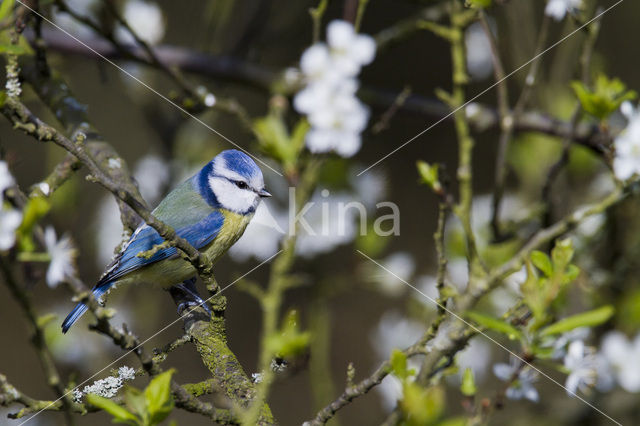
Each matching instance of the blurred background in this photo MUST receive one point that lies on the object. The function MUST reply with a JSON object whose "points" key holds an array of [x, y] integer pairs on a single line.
{"points": [[356, 313]]}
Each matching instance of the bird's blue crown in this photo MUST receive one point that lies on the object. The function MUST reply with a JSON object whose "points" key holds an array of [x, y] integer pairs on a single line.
{"points": [[232, 180]]}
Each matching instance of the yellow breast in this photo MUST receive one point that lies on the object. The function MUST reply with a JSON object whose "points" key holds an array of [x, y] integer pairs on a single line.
{"points": [[232, 229]]}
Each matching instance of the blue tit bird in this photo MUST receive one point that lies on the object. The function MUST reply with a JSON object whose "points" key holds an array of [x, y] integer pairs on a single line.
{"points": [[210, 210]]}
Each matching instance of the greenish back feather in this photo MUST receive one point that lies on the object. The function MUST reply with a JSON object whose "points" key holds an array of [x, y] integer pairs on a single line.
{"points": [[183, 206]]}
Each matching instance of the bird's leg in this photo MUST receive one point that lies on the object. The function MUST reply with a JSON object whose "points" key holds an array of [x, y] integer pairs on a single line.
{"points": [[186, 294]]}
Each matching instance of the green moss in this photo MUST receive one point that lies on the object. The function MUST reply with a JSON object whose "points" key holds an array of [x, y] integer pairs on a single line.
{"points": [[228, 375]]}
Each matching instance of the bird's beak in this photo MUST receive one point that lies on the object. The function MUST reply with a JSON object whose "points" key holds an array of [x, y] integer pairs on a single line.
{"points": [[264, 193]]}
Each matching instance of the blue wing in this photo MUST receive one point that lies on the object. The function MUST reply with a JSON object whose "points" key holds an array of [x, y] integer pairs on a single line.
{"points": [[145, 238], [191, 217]]}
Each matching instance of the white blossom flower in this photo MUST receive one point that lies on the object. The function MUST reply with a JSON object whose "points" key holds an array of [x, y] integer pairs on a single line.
{"points": [[626, 161], [10, 220], [146, 20], [522, 387], [316, 66], [6, 178], [402, 266], [622, 355], [62, 253], [336, 115], [559, 344], [257, 377], [209, 100], [478, 51], [581, 362], [557, 9], [349, 51]]}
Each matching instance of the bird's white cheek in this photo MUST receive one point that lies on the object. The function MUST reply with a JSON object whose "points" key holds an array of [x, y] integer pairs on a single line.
{"points": [[233, 198]]}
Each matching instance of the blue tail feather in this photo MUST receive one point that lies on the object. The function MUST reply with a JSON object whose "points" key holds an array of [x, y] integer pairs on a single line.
{"points": [[81, 308]]}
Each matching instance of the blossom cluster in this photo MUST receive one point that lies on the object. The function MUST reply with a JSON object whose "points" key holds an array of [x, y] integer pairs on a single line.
{"points": [[329, 101], [586, 368]]}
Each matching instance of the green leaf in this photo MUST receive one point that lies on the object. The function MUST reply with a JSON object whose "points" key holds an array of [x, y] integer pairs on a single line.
{"points": [[135, 402], [5, 8], [298, 135], [586, 319], [495, 325], [532, 292], [570, 274], [542, 352], [13, 49], [479, 4], [274, 138], [289, 342], [468, 386], [421, 406], [35, 210], [429, 175], [399, 364], [120, 415], [158, 397], [21, 48], [542, 262], [605, 98], [455, 421], [43, 320], [562, 254]]}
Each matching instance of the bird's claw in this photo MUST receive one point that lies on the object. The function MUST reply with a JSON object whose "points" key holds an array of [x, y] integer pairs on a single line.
{"points": [[186, 296], [183, 306]]}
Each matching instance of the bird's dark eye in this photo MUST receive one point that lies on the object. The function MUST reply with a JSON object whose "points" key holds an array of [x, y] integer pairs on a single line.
{"points": [[240, 184]]}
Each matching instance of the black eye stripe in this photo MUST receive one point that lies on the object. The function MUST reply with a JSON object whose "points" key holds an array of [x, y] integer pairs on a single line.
{"points": [[240, 184]]}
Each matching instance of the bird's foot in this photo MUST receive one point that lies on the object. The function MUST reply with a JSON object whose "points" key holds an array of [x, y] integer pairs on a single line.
{"points": [[183, 306], [186, 296]]}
